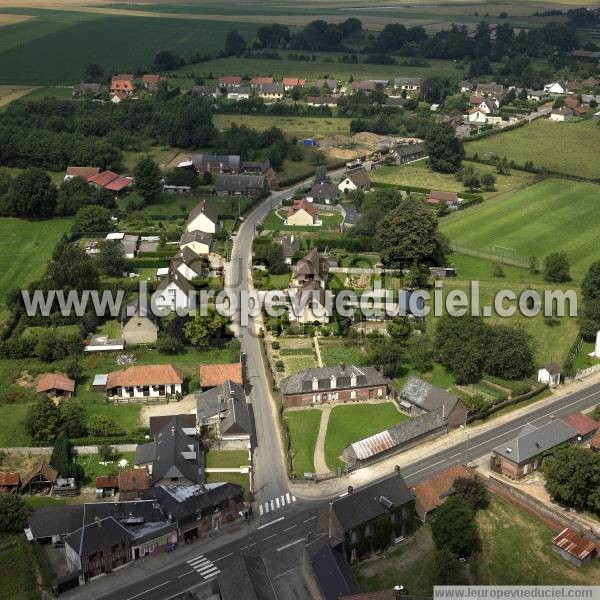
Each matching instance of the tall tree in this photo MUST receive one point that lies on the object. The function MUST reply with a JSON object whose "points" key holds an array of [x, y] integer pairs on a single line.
{"points": [[445, 150], [235, 44], [454, 527], [409, 236], [32, 194], [148, 179], [94, 73]]}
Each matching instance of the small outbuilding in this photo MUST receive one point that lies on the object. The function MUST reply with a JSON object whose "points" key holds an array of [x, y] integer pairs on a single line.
{"points": [[549, 374], [574, 547], [56, 385]]}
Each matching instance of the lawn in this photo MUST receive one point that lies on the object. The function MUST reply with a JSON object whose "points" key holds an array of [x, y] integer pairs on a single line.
{"points": [[237, 478], [516, 550], [303, 427], [226, 458], [12, 432], [418, 174], [300, 127], [569, 148], [25, 248], [92, 467], [128, 43], [18, 568], [352, 422], [295, 364], [330, 222]]}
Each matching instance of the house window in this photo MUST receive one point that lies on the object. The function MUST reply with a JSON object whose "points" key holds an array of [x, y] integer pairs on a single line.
{"points": [[368, 530], [380, 392], [146, 390], [353, 394]]}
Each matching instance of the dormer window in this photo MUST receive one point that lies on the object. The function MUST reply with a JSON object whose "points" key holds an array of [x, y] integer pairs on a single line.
{"points": [[353, 379], [315, 383], [332, 382]]}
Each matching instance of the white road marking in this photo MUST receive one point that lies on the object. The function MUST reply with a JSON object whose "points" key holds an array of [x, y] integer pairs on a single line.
{"points": [[290, 544], [268, 537], [184, 574], [150, 590], [261, 510], [271, 523], [292, 527], [222, 557]]}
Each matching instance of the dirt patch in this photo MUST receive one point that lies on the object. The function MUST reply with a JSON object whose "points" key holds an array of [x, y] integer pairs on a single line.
{"points": [[12, 19], [347, 147], [183, 407], [25, 380], [19, 462]]}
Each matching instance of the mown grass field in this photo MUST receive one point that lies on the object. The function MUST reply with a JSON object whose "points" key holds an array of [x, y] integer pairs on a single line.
{"points": [[25, 248], [303, 426], [47, 51], [516, 550], [569, 148], [549, 216], [300, 127], [418, 174], [352, 422], [92, 467]]}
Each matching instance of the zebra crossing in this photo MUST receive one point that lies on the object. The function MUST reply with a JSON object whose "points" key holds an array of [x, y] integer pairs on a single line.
{"points": [[203, 566], [272, 505]]}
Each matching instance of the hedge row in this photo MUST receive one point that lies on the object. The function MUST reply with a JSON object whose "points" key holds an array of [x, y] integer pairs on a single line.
{"points": [[151, 263], [496, 407]]}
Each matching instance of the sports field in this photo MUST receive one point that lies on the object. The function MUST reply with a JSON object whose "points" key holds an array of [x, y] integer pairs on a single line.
{"points": [[538, 220], [25, 248], [569, 148]]}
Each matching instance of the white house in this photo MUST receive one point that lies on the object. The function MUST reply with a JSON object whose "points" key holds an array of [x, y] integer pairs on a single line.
{"points": [[203, 217], [359, 180], [562, 114], [143, 382], [188, 264], [556, 87], [241, 93], [550, 375], [197, 241], [478, 116], [173, 293]]}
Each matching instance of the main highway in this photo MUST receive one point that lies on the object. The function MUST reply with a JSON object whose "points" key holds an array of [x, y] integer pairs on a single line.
{"points": [[189, 567]]}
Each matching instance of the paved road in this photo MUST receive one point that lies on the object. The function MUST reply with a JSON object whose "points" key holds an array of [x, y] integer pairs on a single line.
{"points": [[270, 475], [289, 526]]}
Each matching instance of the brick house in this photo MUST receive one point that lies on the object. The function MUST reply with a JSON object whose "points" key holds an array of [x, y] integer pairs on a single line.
{"points": [[369, 519], [523, 454], [122, 83], [342, 383], [585, 427]]}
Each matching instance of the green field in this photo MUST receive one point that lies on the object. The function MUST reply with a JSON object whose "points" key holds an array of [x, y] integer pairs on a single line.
{"points": [[353, 422], [300, 127], [569, 148], [303, 426], [92, 467], [18, 568], [226, 458], [516, 550], [48, 50], [549, 216], [338, 351], [418, 174], [25, 248]]}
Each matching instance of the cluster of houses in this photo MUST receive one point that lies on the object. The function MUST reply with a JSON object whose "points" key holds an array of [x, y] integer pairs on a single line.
{"points": [[122, 86], [165, 499]]}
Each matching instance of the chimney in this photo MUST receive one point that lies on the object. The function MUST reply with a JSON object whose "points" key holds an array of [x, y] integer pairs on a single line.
{"points": [[350, 489], [342, 366], [397, 469]]}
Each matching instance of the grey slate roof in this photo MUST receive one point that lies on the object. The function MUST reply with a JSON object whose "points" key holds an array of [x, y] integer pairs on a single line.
{"points": [[195, 236], [303, 381], [177, 452], [134, 309], [289, 242], [325, 191], [408, 81], [409, 149], [228, 400], [203, 162], [364, 505], [175, 277], [351, 217], [98, 535], [204, 208], [333, 574], [227, 182], [532, 441], [272, 88], [427, 396], [247, 573]]}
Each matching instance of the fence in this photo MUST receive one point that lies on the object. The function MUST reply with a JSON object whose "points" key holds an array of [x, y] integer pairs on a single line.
{"points": [[499, 255], [583, 374]]}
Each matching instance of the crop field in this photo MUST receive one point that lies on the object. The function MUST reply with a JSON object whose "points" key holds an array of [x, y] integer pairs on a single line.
{"points": [[25, 248], [294, 126], [52, 52], [419, 174], [352, 422], [538, 220], [568, 148]]}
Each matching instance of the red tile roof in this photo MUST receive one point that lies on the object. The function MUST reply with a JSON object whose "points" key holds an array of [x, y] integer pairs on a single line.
{"points": [[302, 204], [9, 479], [476, 99], [433, 493], [261, 80], [364, 85], [144, 375], [436, 196], [582, 423], [107, 481], [152, 78], [573, 543], [110, 180], [230, 80], [293, 81], [122, 82], [54, 381], [84, 172], [134, 480], [214, 375]]}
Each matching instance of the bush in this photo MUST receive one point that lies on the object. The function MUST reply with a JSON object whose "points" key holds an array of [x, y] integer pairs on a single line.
{"points": [[13, 513], [275, 345], [103, 426], [169, 345]]}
